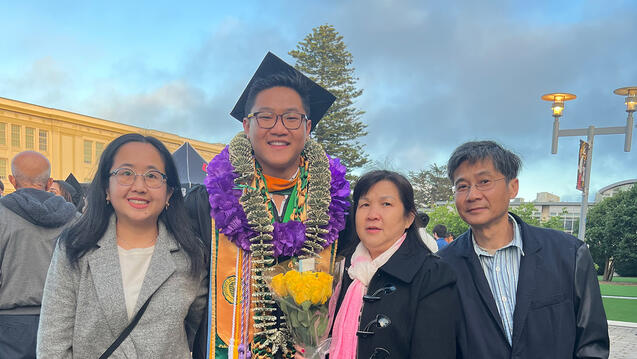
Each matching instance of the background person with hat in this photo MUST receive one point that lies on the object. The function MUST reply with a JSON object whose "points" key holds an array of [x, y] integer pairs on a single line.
{"points": [[274, 194]]}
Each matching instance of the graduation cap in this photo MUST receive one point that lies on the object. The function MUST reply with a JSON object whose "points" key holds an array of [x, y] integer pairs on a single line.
{"points": [[78, 196], [191, 167], [320, 98]]}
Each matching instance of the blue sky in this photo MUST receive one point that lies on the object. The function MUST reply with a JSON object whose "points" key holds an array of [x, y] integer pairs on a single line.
{"points": [[434, 74]]}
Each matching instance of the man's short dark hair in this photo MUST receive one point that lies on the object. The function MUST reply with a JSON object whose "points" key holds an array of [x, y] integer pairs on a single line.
{"points": [[505, 161], [293, 81], [440, 230]]}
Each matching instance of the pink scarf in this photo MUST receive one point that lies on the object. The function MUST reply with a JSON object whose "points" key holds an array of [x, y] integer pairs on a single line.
{"points": [[361, 270]]}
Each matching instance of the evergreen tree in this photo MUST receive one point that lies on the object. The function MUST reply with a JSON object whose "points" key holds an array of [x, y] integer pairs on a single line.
{"points": [[324, 58], [431, 186]]}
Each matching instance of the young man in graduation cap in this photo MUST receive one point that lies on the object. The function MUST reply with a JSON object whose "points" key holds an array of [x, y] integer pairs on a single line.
{"points": [[275, 195]]}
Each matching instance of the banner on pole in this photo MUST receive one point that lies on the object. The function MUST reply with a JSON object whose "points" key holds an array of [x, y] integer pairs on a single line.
{"points": [[581, 165]]}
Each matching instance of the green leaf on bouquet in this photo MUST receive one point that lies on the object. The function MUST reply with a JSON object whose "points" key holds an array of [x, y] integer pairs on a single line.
{"points": [[304, 318], [283, 306], [306, 305], [293, 317], [322, 325]]}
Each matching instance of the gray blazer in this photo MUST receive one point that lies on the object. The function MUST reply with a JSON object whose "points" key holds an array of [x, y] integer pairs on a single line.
{"points": [[83, 307]]}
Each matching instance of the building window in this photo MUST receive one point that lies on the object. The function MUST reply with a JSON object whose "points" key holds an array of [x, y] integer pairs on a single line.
{"points": [[3, 168], [15, 135], [44, 135], [3, 133], [88, 151], [29, 140], [99, 148]]}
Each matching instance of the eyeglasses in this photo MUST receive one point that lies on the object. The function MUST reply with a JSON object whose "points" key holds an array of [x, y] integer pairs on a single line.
{"points": [[482, 185], [126, 177], [266, 119]]}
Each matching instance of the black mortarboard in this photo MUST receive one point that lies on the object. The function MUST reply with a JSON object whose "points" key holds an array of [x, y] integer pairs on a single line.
{"points": [[320, 98], [79, 192]]}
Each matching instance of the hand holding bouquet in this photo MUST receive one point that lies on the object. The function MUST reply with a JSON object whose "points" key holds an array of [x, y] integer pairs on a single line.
{"points": [[304, 297]]}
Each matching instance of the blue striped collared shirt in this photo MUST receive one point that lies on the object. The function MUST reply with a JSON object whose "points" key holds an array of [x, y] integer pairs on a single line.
{"points": [[502, 269]]}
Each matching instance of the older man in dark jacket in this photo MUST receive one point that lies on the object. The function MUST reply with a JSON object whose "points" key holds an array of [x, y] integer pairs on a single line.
{"points": [[526, 292], [30, 221]]}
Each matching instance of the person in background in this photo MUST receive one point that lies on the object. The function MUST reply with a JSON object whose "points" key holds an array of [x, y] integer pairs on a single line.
{"points": [[130, 259], [79, 198], [31, 219], [440, 232], [1, 188], [526, 292], [398, 299], [449, 237], [62, 189], [427, 239]]}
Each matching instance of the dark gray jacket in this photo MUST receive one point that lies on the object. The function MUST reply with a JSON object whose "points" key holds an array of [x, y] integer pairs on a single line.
{"points": [[30, 222], [558, 313]]}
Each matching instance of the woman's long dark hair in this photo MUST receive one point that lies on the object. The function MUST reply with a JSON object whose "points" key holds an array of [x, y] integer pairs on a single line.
{"points": [[83, 235], [406, 192]]}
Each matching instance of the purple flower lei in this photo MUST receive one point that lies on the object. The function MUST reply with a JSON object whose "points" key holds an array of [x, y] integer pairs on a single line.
{"points": [[288, 238]]}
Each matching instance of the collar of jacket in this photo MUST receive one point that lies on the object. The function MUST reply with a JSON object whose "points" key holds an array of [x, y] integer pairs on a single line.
{"points": [[407, 260], [529, 244], [164, 239]]}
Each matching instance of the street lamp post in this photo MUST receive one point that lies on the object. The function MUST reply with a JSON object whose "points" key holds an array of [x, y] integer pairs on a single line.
{"points": [[558, 100]]}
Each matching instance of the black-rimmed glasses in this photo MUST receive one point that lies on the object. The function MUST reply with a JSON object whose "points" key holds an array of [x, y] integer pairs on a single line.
{"points": [[267, 120], [126, 177]]}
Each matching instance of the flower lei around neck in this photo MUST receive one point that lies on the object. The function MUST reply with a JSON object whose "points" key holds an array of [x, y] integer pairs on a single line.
{"points": [[241, 213]]}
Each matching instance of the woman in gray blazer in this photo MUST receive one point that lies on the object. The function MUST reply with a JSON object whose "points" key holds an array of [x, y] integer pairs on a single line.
{"points": [[132, 245]]}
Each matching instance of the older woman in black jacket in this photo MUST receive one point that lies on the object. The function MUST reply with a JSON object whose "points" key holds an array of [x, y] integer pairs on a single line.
{"points": [[397, 298]]}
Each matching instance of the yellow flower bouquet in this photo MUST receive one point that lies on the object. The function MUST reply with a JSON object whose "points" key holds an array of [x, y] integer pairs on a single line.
{"points": [[304, 294]]}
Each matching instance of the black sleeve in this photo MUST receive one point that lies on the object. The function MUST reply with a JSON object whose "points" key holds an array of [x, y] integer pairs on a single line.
{"points": [[199, 347], [591, 339], [436, 326]]}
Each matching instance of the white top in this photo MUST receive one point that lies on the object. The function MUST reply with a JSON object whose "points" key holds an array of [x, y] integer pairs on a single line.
{"points": [[134, 264], [429, 241]]}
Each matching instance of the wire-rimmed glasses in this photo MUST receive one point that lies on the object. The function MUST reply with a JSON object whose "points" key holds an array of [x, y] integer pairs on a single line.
{"points": [[482, 185], [126, 177]]}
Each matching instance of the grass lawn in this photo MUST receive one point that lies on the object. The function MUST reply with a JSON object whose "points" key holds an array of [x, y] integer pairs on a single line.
{"points": [[624, 310], [625, 279], [618, 289], [621, 279]]}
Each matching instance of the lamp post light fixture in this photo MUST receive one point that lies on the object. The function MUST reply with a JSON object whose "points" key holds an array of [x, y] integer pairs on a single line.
{"points": [[557, 107]]}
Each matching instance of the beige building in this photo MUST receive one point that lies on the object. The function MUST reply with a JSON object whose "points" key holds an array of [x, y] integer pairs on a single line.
{"points": [[72, 142], [610, 190], [548, 205]]}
